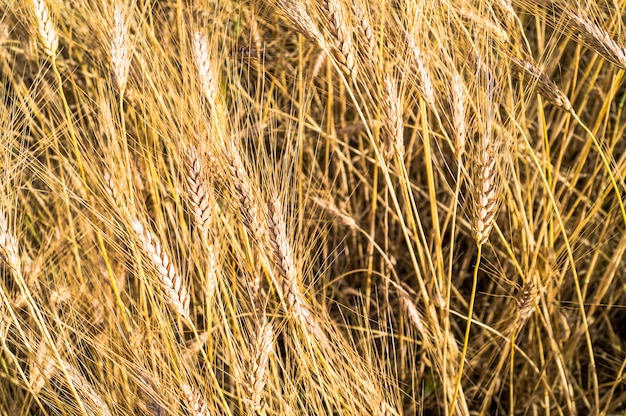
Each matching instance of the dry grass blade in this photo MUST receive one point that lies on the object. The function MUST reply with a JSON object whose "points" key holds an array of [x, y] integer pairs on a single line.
{"points": [[170, 281]]}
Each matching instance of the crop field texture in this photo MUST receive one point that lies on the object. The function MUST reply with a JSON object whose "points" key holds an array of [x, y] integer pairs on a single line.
{"points": [[312, 207]]}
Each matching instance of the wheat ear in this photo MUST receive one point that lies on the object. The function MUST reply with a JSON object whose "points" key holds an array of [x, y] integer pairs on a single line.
{"points": [[204, 67], [485, 188], [196, 404], [200, 199], [333, 210], [45, 28], [120, 49], [425, 83], [545, 86], [392, 115], [248, 205], [599, 40], [255, 378], [341, 34], [366, 31], [459, 117], [525, 300], [171, 283], [286, 270], [9, 252]]}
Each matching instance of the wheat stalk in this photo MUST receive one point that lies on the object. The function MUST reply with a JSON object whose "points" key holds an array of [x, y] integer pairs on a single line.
{"points": [[286, 270], [45, 28], [171, 283], [120, 49]]}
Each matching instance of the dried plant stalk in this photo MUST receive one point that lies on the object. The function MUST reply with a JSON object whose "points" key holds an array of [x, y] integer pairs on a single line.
{"points": [[45, 28], [171, 283]]}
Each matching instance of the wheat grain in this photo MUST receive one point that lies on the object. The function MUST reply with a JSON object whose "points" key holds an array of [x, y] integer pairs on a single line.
{"points": [[120, 49], [171, 283], [45, 27]]}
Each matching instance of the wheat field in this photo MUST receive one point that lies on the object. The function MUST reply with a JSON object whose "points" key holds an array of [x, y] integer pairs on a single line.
{"points": [[312, 207]]}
